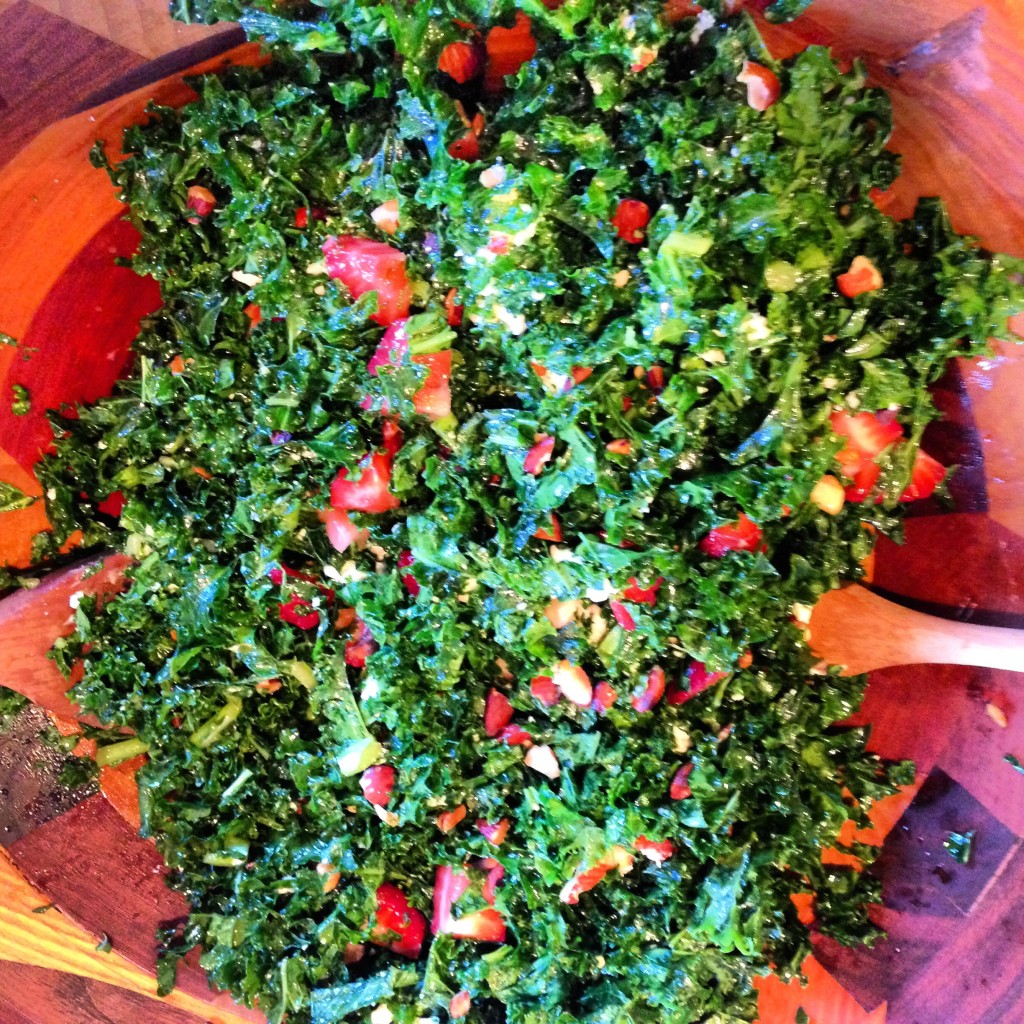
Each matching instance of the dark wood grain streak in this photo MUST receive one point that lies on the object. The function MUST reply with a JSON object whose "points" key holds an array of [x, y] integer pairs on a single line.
{"points": [[35, 995], [93, 866], [46, 65], [31, 791]]}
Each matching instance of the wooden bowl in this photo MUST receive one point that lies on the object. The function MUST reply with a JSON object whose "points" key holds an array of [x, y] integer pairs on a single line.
{"points": [[955, 70]]}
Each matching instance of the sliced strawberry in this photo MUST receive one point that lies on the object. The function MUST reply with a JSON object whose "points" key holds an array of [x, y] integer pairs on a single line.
{"points": [[630, 219], [698, 679], [620, 446], [927, 474], [604, 698], [864, 480], [201, 201], [656, 379], [405, 560], [434, 399], [391, 434], [494, 831], [462, 61], [113, 504], [508, 49], [363, 265], [543, 688], [621, 615], [867, 434], [449, 886], [680, 788], [399, 927], [392, 348], [495, 874], [743, 535], [361, 646], [659, 852], [370, 492], [539, 454], [762, 84], [385, 216], [554, 534], [497, 712], [452, 310], [485, 925], [617, 857], [653, 691], [459, 1004], [642, 595], [305, 214], [481, 925], [377, 782], [466, 147], [573, 683], [341, 531], [447, 820], [293, 613], [863, 276], [515, 736]]}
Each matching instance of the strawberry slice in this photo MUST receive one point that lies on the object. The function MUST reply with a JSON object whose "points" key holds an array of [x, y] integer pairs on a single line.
{"points": [[361, 646], [363, 265], [508, 49], [201, 201], [465, 147], [370, 492], [863, 276], [621, 615], [341, 531], [554, 534], [434, 399], [484, 925], [539, 454], [377, 782], [864, 481], [573, 683], [543, 688], [292, 612], [113, 505], [630, 219], [494, 831], [515, 736], [396, 918], [495, 874], [604, 698], [658, 852], [617, 857], [447, 820], [698, 679], [762, 84], [926, 475], [462, 62], [867, 434], [680, 787], [743, 535], [497, 712], [642, 595], [653, 691]]}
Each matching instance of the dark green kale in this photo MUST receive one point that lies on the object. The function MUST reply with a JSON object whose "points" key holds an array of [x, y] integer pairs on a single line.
{"points": [[678, 380]]}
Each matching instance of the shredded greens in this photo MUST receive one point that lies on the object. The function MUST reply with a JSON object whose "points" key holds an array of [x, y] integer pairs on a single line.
{"points": [[719, 349]]}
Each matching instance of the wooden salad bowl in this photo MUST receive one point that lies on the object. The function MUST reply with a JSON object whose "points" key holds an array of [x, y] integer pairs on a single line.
{"points": [[955, 70]]}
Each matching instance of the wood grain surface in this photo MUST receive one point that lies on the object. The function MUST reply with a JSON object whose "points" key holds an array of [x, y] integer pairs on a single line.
{"points": [[953, 954]]}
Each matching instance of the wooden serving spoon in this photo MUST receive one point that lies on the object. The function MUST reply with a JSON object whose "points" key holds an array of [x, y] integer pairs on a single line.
{"points": [[851, 627], [860, 631]]}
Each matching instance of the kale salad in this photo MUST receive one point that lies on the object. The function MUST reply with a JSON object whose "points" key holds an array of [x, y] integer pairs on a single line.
{"points": [[526, 371]]}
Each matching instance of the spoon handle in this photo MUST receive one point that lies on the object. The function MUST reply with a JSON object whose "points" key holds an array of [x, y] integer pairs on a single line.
{"points": [[861, 631]]}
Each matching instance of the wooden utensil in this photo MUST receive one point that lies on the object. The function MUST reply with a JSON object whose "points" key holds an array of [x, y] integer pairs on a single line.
{"points": [[861, 631]]}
